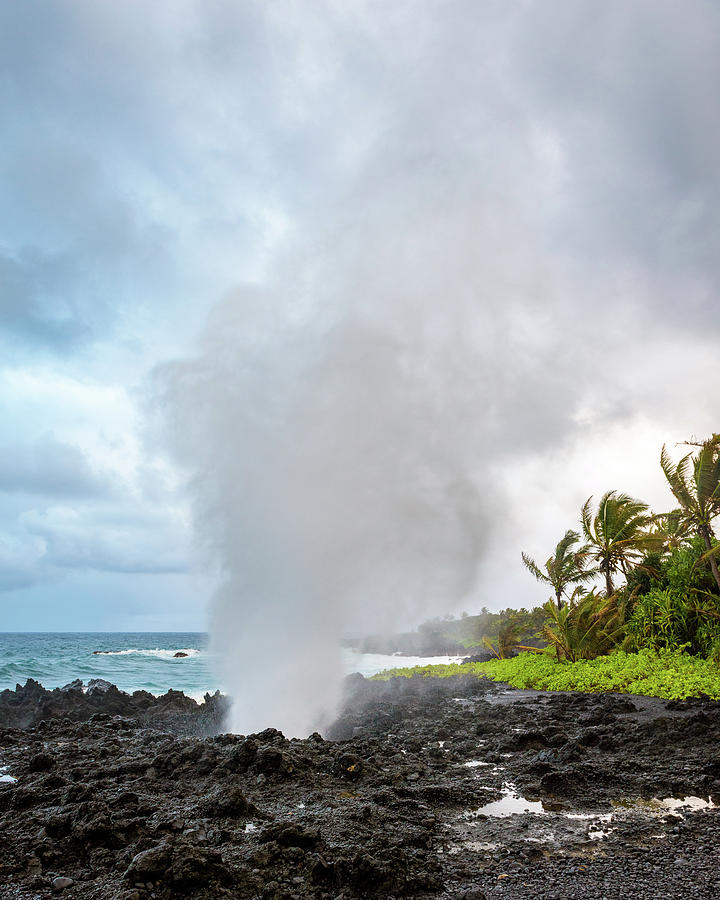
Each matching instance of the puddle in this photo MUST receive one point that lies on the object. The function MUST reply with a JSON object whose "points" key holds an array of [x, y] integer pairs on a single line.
{"points": [[474, 763], [250, 827], [5, 778], [514, 804], [510, 804], [580, 831], [598, 817], [691, 804], [599, 834], [676, 806]]}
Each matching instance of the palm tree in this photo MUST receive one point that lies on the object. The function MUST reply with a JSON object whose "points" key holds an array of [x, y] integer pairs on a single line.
{"points": [[507, 640], [564, 569], [616, 534], [589, 626], [699, 495], [673, 530]]}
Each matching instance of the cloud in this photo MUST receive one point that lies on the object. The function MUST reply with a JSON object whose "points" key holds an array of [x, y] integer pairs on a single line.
{"points": [[50, 467], [24, 281], [20, 561], [44, 545], [456, 242], [107, 540]]}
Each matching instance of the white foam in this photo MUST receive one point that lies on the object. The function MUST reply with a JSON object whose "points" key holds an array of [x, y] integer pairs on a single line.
{"points": [[188, 651]]}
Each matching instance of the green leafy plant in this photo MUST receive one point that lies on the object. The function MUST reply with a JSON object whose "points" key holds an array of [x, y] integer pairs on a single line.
{"points": [[662, 619], [695, 483], [566, 568], [674, 675]]}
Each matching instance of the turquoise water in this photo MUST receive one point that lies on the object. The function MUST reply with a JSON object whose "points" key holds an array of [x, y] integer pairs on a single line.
{"points": [[133, 661], [139, 660]]}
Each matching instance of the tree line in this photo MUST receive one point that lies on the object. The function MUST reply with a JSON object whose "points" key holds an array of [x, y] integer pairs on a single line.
{"points": [[630, 578]]}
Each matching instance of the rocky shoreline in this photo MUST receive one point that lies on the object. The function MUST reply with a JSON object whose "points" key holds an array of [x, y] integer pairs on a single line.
{"points": [[447, 788]]}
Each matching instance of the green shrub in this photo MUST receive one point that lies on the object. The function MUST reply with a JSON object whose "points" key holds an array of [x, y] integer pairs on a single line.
{"points": [[662, 620], [673, 675]]}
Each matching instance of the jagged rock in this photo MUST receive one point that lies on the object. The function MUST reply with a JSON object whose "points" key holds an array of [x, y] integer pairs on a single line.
{"points": [[98, 684]]}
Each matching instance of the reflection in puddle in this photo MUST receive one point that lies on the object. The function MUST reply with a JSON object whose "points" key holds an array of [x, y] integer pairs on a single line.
{"points": [[510, 804], [474, 763], [562, 829], [5, 778], [674, 805], [598, 817]]}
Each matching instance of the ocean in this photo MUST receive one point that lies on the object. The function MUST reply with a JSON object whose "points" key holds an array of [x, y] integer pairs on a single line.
{"points": [[139, 660]]}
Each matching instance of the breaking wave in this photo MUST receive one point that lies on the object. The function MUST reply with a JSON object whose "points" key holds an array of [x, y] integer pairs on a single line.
{"points": [[188, 651]]}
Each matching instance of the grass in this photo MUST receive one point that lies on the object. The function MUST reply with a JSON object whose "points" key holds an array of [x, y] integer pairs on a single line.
{"points": [[666, 674]]}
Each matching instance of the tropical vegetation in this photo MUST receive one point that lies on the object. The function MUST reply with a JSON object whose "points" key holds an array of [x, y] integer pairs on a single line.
{"points": [[652, 623]]}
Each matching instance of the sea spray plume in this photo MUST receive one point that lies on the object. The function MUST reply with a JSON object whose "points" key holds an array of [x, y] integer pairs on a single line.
{"points": [[349, 425], [333, 481]]}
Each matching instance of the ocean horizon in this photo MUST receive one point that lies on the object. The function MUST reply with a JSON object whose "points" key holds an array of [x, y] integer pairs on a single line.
{"points": [[140, 660]]}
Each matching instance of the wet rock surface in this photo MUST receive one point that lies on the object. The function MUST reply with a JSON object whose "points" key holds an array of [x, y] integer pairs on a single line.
{"points": [[31, 704], [452, 788]]}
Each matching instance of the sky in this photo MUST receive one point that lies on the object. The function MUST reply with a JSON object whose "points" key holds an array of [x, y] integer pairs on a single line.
{"points": [[371, 295]]}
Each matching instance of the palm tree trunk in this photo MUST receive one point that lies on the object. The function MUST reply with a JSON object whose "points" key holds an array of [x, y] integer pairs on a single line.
{"points": [[705, 534], [609, 588], [558, 597]]}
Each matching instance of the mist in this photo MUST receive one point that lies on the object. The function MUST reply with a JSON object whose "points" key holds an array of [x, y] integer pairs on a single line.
{"points": [[473, 273], [337, 485]]}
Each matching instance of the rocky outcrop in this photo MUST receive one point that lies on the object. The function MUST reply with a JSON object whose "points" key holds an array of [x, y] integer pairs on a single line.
{"points": [[30, 704], [410, 800]]}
